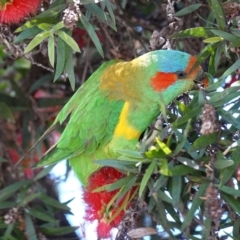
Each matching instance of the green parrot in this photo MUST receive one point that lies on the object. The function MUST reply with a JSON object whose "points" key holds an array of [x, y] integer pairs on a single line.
{"points": [[116, 105]]}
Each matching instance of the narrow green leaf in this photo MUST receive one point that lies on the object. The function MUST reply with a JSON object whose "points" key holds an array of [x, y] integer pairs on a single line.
{"points": [[89, 28], [228, 172], [197, 201], [28, 199], [188, 162], [213, 40], [132, 154], [194, 32], [68, 40], [45, 171], [163, 147], [103, 4], [175, 191], [101, 15], [227, 36], [188, 9], [133, 160], [182, 142], [69, 68], [162, 216], [236, 227], [29, 227], [37, 40], [146, 177], [205, 53], [34, 22], [125, 189], [218, 56], [58, 26], [204, 141], [45, 26], [164, 169], [45, 216], [211, 64], [229, 117], [122, 165], [127, 199], [181, 170], [122, 182], [183, 109], [110, 10], [57, 230], [28, 33], [191, 114], [53, 202], [207, 228], [155, 153], [163, 196], [113, 186], [221, 164], [230, 191], [219, 13], [234, 44], [232, 69], [162, 106], [61, 58], [9, 229], [232, 202], [161, 181], [51, 50], [6, 192], [122, 206], [217, 96], [53, 11], [8, 204]]}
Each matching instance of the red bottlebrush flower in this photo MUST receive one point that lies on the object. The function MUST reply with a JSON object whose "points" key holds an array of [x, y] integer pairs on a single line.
{"points": [[81, 37], [98, 201], [14, 11]]}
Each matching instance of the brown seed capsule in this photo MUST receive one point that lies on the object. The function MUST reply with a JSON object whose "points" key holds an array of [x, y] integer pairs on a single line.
{"points": [[71, 15], [231, 9], [213, 204], [209, 121]]}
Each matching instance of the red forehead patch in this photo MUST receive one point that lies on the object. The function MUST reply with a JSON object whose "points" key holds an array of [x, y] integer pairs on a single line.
{"points": [[162, 80], [191, 62]]}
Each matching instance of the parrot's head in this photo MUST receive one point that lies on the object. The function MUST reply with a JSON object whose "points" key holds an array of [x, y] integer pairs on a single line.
{"points": [[171, 73], [142, 80]]}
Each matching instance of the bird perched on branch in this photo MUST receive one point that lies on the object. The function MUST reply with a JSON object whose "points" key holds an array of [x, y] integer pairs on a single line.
{"points": [[116, 105]]}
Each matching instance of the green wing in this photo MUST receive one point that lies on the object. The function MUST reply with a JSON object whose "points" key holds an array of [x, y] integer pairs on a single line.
{"points": [[93, 118]]}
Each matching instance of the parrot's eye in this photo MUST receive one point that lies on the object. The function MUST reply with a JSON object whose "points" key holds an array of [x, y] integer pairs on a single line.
{"points": [[181, 74]]}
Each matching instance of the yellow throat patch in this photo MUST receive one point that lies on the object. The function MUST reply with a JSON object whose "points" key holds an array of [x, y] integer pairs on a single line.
{"points": [[123, 128]]}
